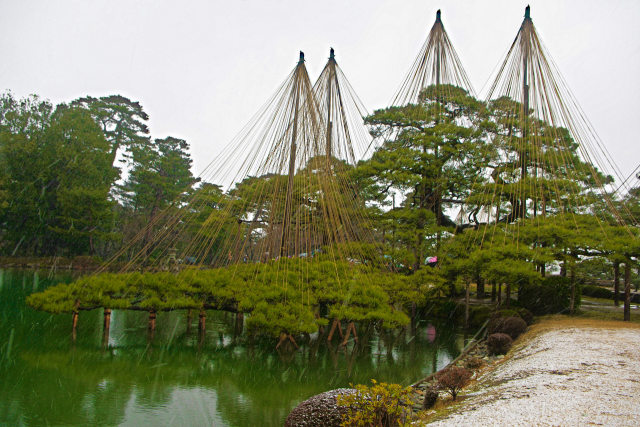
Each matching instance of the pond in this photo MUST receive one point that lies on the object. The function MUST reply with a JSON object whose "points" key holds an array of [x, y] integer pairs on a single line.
{"points": [[178, 377]]}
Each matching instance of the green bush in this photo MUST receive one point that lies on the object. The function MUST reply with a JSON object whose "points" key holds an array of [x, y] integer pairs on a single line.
{"points": [[552, 295], [597, 292], [478, 315], [381, 404], [447, 309]]}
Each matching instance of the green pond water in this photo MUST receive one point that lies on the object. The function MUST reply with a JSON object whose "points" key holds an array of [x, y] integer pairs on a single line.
{"points": [[177, 377]]}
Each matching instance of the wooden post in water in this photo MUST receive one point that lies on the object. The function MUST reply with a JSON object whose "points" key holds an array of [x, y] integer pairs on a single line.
{"points": [[284, 337], [74, 320], [202, 320], [106, 325], [189, 317], [336, 324], [239, 324], [107, 320], [152, 323], [350, 328]]}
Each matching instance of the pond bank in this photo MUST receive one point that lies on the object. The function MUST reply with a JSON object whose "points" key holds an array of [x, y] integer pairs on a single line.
{"points": [[563, 371]]}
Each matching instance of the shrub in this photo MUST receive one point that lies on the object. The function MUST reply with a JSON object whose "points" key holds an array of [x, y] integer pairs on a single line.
{"points": [[447, 309], [525, 314], [499, 343], [474, 363], [495, 325], [550, 296], [478, 315], [512, 326], [453, 379], [506, 312], [597, 292], [430, 398], [381, 404]]}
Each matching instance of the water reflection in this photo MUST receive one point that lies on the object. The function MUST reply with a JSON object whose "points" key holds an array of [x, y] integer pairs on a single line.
{"points": [[180, 376]]}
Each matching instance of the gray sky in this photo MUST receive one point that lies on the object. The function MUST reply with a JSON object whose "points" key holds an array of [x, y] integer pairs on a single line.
{"points": [[201, 69]]}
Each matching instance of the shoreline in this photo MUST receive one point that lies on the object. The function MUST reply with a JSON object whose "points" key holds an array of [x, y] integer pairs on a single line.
{"points": [[561, 371]]}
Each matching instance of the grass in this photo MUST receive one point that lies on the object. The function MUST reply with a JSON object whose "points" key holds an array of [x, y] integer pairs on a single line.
{"points": [[603, 309]]}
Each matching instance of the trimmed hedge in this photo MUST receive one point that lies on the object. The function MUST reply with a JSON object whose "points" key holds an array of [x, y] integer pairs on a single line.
{"points": [[597, 292], [512, 326], [499, 343]]}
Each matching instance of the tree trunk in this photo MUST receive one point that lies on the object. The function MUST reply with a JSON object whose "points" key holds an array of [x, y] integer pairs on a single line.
{"points": [[499, 294], [508, 296], [616, 284], [493, 291], [572, 302], [627, 291], [480, 287], [466, 306], [239, 324]]}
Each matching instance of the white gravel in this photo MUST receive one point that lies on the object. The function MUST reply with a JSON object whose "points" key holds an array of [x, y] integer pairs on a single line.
{"points": [[571, 377]]}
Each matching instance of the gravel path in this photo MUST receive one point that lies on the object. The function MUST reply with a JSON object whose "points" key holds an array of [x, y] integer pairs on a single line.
{"points": [[569, 377]]}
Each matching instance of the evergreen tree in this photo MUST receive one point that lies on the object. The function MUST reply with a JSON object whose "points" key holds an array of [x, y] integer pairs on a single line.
{"points": [[160, 177], [55, 176], [432, 154]]}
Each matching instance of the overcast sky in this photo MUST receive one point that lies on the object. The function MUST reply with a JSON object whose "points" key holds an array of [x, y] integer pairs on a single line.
{"points": [[201, 69]]}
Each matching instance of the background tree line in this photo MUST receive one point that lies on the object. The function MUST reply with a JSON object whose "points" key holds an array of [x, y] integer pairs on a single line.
{"points": [[63, 186], [84, 178]]}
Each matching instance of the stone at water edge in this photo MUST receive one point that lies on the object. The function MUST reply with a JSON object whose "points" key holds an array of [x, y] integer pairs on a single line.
{"points": [[320, 410]]}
